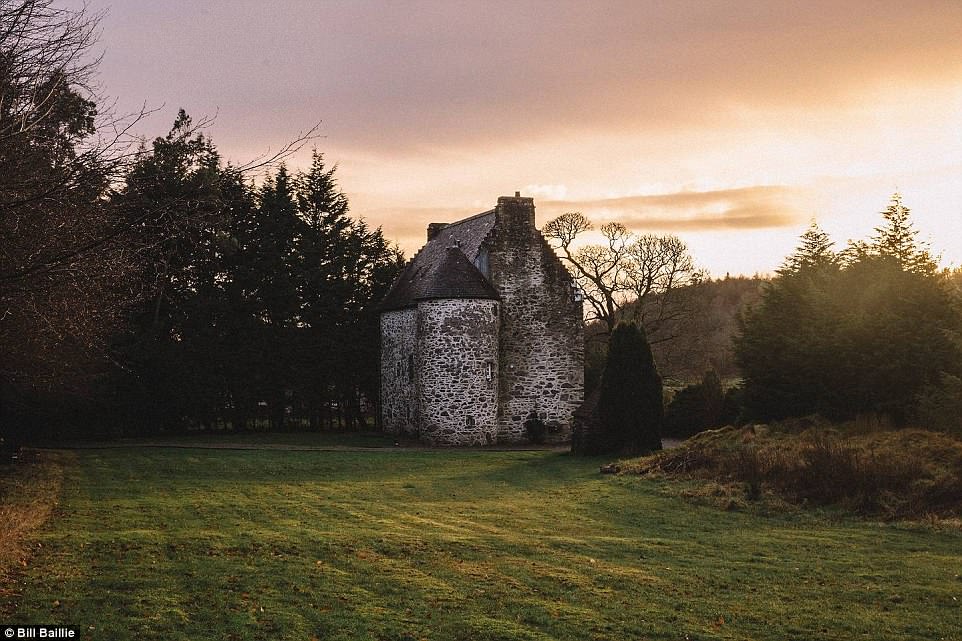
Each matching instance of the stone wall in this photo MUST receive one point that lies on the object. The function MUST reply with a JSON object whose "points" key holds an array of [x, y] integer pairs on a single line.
{"points": [[399, 407], [542, 335], [458, 371]]}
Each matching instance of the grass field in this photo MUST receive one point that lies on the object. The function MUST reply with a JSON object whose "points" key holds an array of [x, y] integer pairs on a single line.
{"points": [[394, 544]]}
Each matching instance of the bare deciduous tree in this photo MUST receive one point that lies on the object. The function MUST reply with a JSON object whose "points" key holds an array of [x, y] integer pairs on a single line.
{"points": [[60, 278], [640, 278]]}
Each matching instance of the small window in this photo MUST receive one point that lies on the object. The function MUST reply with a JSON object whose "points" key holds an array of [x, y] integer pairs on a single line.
{"points": [[482, 263], [488, 370], [410, 368]]}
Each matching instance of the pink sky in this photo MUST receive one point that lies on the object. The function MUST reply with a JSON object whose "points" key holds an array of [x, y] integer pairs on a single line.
{"points": [[730, 124]]}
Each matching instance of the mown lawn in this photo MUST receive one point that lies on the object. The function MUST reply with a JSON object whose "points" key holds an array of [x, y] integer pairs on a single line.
{"points": [[394, 544]]}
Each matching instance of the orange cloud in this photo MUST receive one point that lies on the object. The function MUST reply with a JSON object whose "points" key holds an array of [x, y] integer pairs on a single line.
{"points": [[758, 207]]}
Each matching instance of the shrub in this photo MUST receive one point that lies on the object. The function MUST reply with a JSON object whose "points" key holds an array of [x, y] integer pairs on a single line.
{"points": [[940, 406], [699, 407], [685, 415], [535, 428], [829, 471]]}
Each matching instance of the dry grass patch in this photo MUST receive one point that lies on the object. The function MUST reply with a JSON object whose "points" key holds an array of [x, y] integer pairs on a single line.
{"points": [[29, 492], [894, 474]]}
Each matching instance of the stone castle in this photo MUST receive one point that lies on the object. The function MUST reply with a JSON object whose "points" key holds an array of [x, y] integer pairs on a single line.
{"points": [[482, 339]]}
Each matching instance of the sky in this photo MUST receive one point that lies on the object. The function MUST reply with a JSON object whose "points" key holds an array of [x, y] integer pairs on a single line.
{"points": [[730, 124]]}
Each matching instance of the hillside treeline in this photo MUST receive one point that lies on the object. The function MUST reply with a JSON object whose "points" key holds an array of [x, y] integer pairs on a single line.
{"points": [[693, 342], [702, 340]]}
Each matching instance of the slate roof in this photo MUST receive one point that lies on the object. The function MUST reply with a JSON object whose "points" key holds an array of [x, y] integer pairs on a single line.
{"points": [[444, 267], [457, 277]]}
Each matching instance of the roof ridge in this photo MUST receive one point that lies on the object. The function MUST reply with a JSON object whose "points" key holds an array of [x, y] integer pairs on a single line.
{"points": [[469, 218]]}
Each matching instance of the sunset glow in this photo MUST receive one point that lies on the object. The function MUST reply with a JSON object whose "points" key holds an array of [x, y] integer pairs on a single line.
{"points": [[731, 125]]}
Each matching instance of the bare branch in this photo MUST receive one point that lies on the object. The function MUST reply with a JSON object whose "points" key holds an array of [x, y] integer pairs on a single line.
{"points": [[269, 160], [627, 277]]}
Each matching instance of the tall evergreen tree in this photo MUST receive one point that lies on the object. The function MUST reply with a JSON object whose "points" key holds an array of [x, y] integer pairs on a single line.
{"points": [[784, 340], [253, 298], [274, 262], [173, 202], [345, 269], [239, 345], [814, 252], [892, 336], [630, 407], [898, 240], [325, 258]]}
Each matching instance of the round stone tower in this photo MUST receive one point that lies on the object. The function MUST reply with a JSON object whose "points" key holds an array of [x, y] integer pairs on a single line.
{"points": [[457, 329]]}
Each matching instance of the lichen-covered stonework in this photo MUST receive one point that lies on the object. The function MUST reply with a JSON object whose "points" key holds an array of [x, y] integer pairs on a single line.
{"points": [[458, 374], [542, 340], [490, 323], [399, 402]]}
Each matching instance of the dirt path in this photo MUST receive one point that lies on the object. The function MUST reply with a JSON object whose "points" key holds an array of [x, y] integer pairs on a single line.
{"points": [[306, 448], [401, 446]]}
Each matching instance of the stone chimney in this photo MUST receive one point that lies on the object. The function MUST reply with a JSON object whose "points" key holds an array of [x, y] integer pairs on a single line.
{"points": [[515, 214], [434, 229]]}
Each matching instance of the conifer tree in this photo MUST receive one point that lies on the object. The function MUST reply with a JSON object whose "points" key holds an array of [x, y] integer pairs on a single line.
{"points": [[172, 201], [630, 407], [899, 240], [253, 296], [813, 252]]}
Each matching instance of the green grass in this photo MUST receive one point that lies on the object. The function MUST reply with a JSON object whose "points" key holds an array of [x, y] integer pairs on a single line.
{"points": [[220, 544]]}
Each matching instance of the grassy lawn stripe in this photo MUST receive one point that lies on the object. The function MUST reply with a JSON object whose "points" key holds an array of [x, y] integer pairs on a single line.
{"points": [[162, 544]]}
